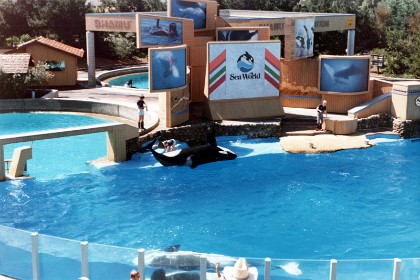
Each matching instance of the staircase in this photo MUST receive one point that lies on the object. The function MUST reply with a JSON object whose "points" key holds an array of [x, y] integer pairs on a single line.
{"points": [[196, 112], [300, 125]]}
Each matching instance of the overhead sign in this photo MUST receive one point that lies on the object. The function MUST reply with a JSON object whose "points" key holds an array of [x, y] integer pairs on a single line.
{"points": [[117, 22]]}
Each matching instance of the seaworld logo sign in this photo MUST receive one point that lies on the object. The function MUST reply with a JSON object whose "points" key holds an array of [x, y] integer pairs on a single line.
{"points": [[243, 70], [245, 64]]}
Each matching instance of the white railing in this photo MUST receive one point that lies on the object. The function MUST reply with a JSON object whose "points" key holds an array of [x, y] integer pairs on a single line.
{"points": [[50, 257]]}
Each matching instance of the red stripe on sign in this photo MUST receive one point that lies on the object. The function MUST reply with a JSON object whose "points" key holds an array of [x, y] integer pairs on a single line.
{"points": [[217, 61], [272, 59], [217, 84], [271, 81]]}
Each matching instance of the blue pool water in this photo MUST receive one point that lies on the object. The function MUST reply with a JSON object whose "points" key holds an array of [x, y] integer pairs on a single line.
{"points": [[54, 158], [350, 204], [140, 80]]}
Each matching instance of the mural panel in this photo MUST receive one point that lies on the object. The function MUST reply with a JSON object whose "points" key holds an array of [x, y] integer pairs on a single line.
{"points": [[167, 68], [159, 31], [344, 74], [305, 37], [195, 10], [237, 35]]}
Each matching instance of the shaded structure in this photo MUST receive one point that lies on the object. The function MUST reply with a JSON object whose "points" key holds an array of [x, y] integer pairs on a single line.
{"points": [[61, 59]]}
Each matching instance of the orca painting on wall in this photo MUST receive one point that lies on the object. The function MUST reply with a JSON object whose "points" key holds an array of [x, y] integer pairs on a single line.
{"points": [[344, 74], [167, 68], [192, 9], [237, 35], [160, 31]]}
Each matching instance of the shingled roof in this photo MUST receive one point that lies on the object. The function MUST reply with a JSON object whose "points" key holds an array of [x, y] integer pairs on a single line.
{"points": [[55, 45], [15, 63]]}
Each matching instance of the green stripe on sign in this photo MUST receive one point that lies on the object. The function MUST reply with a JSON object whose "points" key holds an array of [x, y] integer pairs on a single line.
{"points": [[272, 72], [218, 74]]}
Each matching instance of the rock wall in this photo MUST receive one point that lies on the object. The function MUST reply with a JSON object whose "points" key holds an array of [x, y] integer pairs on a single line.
{"points": [[407, 129], [384, 121]]}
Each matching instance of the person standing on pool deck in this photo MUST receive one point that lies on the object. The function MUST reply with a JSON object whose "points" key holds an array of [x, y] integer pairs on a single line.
{"points": [[321, 109], [141, 105]]}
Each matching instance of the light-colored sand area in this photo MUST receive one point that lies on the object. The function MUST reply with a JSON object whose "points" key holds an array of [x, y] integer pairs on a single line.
{"points": [[325, 143]]}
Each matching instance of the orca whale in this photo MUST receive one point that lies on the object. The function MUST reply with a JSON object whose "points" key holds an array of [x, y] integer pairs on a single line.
{"points": [[159, 274], [192, 156], [183, 260], [343, 75]]}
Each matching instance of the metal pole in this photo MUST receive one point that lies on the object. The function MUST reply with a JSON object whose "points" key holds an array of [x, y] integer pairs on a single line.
{"points": [[85, 260], [90, 54], [140, 263], [35, 257], [267, 273], [397, 269], [203, 267], [2, 169], [351, 34]]}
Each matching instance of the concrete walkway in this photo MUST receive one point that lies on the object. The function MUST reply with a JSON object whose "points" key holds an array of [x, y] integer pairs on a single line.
{"points": [[122, 96]]}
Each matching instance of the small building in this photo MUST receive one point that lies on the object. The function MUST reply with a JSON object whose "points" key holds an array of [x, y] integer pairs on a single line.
{"points": [[60, 58]]}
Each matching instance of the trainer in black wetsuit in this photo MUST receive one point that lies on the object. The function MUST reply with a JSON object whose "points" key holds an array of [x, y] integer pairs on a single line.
{"points": [[321, 109]]}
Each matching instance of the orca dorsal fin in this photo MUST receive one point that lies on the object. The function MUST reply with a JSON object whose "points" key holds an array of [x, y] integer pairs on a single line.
{"points": [[211, 139]]}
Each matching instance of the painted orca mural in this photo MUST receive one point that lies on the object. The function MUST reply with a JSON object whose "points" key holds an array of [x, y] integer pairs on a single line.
{"points": [[342, 74], [238, 35], [193, 156]]}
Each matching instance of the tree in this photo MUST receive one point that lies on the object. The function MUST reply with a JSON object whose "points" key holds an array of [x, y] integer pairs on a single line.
{"points": [[123, 6], [11, 85], [231, 4], [397, 52], [38, 76], [63, 20], [155, 5], [14, 85], [123, 45], [394, 14], [13, 19], [12, 41], [368, 37], [399, 22]]}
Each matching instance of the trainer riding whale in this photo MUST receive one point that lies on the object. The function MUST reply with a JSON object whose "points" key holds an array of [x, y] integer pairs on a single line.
{"points": [[193, 156]]}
